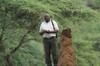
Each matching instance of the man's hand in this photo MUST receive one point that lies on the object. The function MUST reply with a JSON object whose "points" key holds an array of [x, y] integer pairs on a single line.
{"points": [[48, 31], [44, 31]]}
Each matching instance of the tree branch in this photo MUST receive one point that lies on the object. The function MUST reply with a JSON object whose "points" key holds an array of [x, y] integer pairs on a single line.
{"points": [[1, 45], [22, 41], [5, 39]]}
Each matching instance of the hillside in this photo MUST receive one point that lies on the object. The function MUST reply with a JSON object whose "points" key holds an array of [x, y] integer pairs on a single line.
{"points": [[19, 16]]}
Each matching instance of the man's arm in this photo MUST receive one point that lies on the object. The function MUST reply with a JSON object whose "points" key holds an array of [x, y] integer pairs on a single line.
{"points": [[54, 31], [44, 31]]}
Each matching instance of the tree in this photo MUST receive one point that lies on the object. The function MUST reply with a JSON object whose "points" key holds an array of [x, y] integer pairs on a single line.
{"points": [[15, 18]]}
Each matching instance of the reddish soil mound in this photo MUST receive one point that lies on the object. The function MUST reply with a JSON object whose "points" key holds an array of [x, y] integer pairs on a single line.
{"points": [[67, 55]]}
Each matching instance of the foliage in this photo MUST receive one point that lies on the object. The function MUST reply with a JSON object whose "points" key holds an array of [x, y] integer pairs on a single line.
{"points": [[19, 16], [95, 3]]}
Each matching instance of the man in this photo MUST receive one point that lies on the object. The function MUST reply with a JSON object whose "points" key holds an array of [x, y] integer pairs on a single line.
{"points": [[49, 40]]}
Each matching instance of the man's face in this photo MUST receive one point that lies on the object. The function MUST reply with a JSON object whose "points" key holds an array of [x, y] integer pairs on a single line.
{"points": [[47, 18]]}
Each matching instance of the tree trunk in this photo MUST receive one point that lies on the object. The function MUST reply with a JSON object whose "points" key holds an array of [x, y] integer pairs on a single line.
{"points": [[7, 56], [8, 59]]}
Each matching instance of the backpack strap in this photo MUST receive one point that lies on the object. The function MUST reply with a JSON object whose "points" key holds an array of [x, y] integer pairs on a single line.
{"points": [[52, 24], [53, 27]]}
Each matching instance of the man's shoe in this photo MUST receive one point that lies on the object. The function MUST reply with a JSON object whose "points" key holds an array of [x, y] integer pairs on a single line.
{"points": [[49, 65], [55, 65]]}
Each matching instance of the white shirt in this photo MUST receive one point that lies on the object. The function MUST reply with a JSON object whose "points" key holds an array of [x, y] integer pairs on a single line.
{"points": [[48, 26]]}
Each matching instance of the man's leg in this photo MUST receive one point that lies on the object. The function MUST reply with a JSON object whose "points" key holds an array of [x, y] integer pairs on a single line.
{"points": [[54, 49], [47, 47]]}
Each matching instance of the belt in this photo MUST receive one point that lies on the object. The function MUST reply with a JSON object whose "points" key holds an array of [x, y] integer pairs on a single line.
{"points": [[49, 38]]}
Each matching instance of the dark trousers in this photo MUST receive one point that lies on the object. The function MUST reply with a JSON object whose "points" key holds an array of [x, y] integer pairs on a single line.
{"points": [[51, 47]]}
